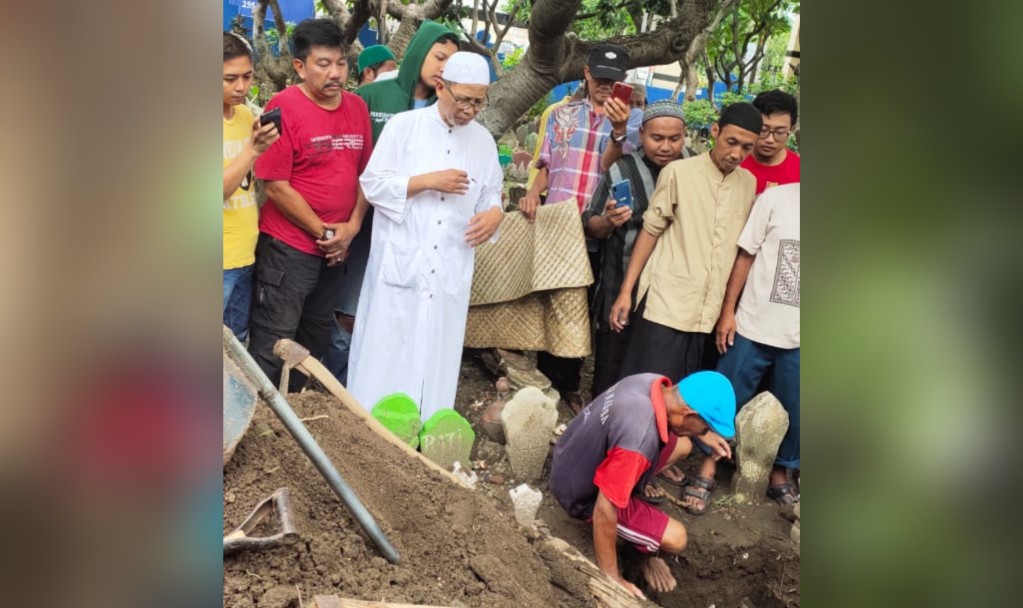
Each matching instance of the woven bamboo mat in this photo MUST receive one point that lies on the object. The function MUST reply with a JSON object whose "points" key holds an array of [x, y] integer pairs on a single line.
{"points": [[555, 321], [547, 254], [529, 288]]}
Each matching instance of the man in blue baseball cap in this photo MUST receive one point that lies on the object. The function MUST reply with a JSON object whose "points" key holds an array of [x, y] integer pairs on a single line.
{"points": [[605, 462]]}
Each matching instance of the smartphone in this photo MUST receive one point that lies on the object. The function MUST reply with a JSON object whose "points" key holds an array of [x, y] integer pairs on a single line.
{"points": [[272, 116], [622, 92], [622, 193]]}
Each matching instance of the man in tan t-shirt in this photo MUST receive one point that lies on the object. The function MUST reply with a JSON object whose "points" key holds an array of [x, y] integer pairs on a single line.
{"points": [[683, 255]]}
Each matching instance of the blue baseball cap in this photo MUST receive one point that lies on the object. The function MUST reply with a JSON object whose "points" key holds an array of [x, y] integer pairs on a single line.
{"points": [[713, 398]]}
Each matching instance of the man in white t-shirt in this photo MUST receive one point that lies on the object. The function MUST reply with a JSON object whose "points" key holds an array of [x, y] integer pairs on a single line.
{"points": [[760, 338]]}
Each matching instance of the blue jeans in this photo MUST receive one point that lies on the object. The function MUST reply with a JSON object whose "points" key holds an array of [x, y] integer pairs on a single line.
{"points": [[747, 363], [238, 300]]}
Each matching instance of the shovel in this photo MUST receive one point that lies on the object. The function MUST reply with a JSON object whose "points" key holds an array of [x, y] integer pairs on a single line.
{"points": [[308, 444]]}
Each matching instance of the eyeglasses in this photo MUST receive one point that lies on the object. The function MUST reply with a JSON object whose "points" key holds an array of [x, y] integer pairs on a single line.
{"points": [[779, 134], [466, 103]]}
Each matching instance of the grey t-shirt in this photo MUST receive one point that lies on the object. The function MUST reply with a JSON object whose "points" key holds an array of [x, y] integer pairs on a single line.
{"points": [[611, 446]]}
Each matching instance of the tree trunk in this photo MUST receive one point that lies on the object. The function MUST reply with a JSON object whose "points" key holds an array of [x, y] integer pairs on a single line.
{"points": [[275, 71], [758, 56], [555, 57], [689, 78], [709, 67]]}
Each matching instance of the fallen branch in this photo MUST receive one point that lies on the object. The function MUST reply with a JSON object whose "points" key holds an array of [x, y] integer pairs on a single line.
{"points": [[608, 593], [310, 419]]}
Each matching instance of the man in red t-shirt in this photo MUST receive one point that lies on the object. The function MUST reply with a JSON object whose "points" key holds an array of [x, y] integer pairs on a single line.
{"points": [[771, 162], [314, 204]]}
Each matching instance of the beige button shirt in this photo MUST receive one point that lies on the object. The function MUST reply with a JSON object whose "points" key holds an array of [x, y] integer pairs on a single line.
{"points": [[697, 214]]}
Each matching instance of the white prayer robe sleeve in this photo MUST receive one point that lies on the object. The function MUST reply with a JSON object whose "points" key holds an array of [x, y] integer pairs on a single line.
{"points": [[493, 188], [384, 187]]}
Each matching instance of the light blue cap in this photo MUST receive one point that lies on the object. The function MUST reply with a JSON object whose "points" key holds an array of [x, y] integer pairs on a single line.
{"points": [[713, 398]]}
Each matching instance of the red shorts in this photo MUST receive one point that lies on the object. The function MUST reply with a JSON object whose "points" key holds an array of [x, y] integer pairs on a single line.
{"points": [[641, 523]]}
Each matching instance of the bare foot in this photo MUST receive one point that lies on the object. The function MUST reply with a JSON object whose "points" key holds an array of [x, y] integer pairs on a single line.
{"points": [[653, 491], [658, 575]]}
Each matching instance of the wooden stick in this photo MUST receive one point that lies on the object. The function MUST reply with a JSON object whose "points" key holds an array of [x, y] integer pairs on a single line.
{"points": [[314, 368]]}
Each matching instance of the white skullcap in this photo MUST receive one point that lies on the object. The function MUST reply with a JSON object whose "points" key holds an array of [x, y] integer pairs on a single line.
{"points": [[467, 68]]}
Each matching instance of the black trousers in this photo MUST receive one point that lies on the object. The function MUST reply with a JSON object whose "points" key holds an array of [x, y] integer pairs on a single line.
{"points": [[659, 349], [294, 298], [608, 355]]}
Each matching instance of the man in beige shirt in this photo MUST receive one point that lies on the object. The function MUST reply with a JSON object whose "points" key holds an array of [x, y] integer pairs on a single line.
{"points": [[689, 237]]}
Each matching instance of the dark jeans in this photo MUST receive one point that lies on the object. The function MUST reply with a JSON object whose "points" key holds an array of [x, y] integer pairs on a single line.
{"points": [[747, 363], [294, 298]]}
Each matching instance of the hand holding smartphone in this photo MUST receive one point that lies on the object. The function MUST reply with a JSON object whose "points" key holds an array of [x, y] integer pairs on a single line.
{"points": [[622, 92], [272, 116], [622, 193]]}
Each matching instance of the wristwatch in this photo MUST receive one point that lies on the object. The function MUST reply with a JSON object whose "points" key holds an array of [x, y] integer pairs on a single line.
{"points": [[618, 140]]}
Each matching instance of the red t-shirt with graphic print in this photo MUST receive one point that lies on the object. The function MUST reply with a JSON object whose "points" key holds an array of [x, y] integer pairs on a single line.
{"points": [[320, 154]]}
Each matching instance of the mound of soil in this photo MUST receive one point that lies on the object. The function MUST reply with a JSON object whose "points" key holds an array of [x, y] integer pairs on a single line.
{"points": [[456, 548], [461, 547]]}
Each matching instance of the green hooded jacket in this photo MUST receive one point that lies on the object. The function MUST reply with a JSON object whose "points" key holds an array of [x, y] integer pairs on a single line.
{"points": [[390, 97]]}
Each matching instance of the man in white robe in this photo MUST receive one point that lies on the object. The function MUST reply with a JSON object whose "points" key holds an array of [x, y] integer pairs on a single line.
{"points": [[436, 184]]}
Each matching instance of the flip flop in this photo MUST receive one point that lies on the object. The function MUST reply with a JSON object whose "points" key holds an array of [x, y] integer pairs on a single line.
{"points": [[672, 482]]}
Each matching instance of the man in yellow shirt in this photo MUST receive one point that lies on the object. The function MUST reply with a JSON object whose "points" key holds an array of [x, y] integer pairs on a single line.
{"points": [[244, 141]]}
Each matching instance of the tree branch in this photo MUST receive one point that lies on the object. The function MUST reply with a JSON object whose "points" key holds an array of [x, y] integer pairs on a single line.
{"points": [[395, 8]]}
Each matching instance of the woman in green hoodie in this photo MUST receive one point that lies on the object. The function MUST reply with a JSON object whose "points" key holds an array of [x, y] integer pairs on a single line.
{"points": [[419, 73]]}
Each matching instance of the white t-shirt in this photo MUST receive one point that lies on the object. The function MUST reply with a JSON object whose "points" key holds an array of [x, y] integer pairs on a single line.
{"points": [[769, 308]]}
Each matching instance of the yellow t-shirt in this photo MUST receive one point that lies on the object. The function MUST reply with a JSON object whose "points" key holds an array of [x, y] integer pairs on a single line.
{"points": [[241, 215]]}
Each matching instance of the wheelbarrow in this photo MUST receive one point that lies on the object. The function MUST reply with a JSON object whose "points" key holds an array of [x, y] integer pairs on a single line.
{"points": [[243, 381]]}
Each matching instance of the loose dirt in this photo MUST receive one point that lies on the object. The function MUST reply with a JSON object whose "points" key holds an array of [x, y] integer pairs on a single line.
{"points": [[461, 547]]}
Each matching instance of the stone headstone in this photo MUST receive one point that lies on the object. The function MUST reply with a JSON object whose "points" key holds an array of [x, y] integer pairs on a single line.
{"points": [[531, 141], [528, 420], [759, 428], [400, 415], [446, 438], [526, 501]]}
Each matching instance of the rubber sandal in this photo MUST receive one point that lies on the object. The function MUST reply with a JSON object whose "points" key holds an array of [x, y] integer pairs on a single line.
{"points": [[702, 491], [783, 494], [671, 482]]}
